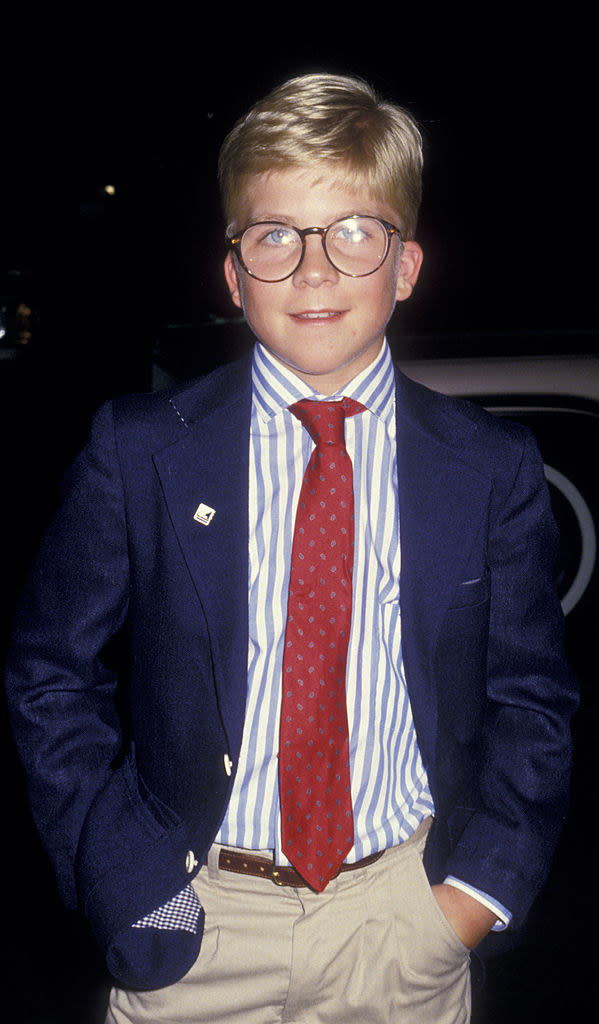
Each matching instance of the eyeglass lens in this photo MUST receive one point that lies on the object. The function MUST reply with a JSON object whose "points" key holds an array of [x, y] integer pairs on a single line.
{"points": [[355, 246]]}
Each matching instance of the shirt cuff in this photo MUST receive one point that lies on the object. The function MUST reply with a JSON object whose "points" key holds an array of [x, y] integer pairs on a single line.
{"points": [[504, 916]]}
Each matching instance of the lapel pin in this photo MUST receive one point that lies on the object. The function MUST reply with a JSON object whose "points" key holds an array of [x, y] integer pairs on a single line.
{"points": [[204, 514]]}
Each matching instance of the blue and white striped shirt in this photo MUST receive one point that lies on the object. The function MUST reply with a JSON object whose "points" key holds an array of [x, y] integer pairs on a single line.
{"points": [[390, 791]]}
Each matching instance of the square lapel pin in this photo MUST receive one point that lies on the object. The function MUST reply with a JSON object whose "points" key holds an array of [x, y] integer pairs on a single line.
{"points": [[204, 514]]}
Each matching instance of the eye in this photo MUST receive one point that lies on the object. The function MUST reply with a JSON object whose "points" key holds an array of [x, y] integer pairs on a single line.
{"points": [[352, 232], [278, 236]]}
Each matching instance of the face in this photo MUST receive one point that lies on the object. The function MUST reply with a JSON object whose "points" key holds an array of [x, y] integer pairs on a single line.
{"points": [[323, 325]]}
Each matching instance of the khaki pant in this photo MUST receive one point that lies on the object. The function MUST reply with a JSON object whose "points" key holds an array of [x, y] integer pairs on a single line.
{"points": [[374, 948]]}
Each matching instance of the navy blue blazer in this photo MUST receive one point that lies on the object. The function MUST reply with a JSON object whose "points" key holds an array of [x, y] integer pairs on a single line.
{"points": [[129, 783]]}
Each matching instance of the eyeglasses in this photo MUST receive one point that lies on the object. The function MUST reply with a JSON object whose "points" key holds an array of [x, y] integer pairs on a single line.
{"points": [[355, 246]]}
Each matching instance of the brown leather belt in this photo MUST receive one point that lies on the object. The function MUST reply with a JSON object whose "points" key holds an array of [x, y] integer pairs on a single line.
{"points": [[247, 864]]}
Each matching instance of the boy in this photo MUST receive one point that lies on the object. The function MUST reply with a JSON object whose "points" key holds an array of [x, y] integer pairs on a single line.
{"points": [[346, 748]]}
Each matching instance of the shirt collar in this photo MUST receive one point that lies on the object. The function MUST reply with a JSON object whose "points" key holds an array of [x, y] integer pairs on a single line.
{"points": [[275, 386]]}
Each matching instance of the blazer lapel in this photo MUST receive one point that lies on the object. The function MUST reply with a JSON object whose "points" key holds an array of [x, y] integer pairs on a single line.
{"points": [[209, 467], [442, 503]]}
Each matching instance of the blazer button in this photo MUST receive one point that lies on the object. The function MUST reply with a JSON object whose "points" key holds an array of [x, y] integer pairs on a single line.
{"points": [[190, 862], [228, 764]]}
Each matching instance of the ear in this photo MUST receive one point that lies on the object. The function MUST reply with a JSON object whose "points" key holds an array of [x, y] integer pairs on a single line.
{"points": [[409, 269], [232, 279]]}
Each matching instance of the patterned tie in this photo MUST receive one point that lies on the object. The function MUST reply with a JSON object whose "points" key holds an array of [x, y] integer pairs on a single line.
{"points": [[314, 776]]}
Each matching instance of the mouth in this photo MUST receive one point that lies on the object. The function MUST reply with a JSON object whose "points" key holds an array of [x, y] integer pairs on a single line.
{"points": [[315, 316]]}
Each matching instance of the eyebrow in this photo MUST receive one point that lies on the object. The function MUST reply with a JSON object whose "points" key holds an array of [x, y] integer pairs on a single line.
{"points": [[275, 218], [278, 218]]}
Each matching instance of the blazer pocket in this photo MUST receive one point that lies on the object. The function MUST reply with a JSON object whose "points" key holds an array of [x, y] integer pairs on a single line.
{"points": [[471, 592]]}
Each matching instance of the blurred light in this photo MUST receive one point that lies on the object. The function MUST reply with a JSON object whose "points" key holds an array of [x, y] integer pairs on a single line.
{"points": [[110, 190]]}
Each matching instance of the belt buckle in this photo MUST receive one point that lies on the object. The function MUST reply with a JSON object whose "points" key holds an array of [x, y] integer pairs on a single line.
{"points": [[276, 875]]}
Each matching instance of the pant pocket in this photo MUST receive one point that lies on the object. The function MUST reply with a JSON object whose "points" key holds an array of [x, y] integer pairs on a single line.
{"points": [[437, 916], [422, 965], [431, 950]]}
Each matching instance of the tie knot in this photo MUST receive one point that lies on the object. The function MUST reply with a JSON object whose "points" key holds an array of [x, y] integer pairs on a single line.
{"points": [[325, 421]]}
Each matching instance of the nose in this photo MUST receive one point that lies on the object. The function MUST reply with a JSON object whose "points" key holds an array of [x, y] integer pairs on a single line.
{"points": [[315, 268]]}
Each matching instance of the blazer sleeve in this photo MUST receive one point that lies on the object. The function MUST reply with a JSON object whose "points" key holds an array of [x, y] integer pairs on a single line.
{"points": [[117, 851], [60, 685], [507, 842]]}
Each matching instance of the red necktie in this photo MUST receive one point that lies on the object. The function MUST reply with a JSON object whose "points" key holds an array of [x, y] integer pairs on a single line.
{"points": [[314, 776]]}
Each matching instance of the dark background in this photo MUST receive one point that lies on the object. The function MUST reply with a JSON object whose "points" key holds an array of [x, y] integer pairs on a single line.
{"points": [[98, 290]]}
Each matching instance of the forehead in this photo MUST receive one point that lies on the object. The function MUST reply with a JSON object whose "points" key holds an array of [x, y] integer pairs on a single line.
{"points": [[306, 197]]}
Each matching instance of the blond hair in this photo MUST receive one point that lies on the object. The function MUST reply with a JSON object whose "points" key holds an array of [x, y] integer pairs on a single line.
{"points": [[334, 120]]}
